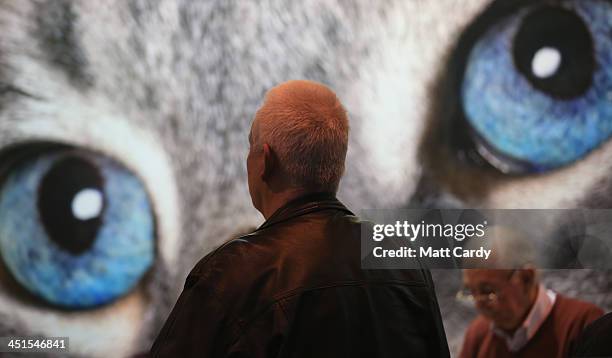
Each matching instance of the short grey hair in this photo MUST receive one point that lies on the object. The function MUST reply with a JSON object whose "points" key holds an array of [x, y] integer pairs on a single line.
{"points": [[511, 248], [307, 128]]}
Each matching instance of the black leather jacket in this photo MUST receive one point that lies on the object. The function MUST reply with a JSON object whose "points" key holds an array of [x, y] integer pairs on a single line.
{"points": [[295, 288]]}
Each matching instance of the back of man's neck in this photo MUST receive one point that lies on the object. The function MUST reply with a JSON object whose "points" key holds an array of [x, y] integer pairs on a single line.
{"points": [[277, 200]]}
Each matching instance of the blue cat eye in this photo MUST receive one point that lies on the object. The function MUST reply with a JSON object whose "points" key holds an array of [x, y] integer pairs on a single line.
{"points": [[537, 87], [76, 228]]}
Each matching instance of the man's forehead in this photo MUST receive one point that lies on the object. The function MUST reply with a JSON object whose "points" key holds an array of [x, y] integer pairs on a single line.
{"points": [[481, 276]]}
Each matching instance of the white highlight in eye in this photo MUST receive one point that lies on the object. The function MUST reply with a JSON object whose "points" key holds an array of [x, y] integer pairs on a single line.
{"points": [[546, 62], [87, 204]]}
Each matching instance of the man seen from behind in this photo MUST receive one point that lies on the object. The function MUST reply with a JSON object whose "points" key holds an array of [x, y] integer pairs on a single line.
{"points": [[294, 287]]}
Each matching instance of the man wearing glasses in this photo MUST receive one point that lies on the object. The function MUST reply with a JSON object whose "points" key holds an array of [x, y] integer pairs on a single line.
{"points": [[518, 316]]}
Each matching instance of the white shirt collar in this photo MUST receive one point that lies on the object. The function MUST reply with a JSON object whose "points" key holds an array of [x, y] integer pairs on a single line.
{"points": [[537, 315]]}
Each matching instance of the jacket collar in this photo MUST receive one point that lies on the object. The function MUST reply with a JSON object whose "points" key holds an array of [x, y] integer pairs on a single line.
{"points": [[303, 205]]}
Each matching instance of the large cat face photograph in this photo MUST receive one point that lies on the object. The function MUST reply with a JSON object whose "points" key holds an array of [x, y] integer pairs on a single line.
{"points": [[124, 134]]}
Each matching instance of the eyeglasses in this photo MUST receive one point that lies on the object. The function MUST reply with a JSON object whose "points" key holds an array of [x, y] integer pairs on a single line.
{"points": [[489, 296]]}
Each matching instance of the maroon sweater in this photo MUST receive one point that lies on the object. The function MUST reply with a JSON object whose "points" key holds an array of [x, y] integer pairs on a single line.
{"points": [[553, 339]]}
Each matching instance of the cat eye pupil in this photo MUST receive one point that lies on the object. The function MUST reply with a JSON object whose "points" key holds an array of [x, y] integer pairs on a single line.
{"points": [[553, 49], [71, 203]]}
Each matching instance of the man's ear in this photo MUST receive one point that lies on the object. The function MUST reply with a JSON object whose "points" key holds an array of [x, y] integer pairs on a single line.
{"points": [[528, 275], [269, 162]]}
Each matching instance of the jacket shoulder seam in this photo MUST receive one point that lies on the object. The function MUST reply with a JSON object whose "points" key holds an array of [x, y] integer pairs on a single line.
{"points": [[298, 290]]}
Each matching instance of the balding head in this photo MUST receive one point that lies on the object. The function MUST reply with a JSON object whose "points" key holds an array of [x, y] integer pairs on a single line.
{"points": [[511, 248], [306, 127]]}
